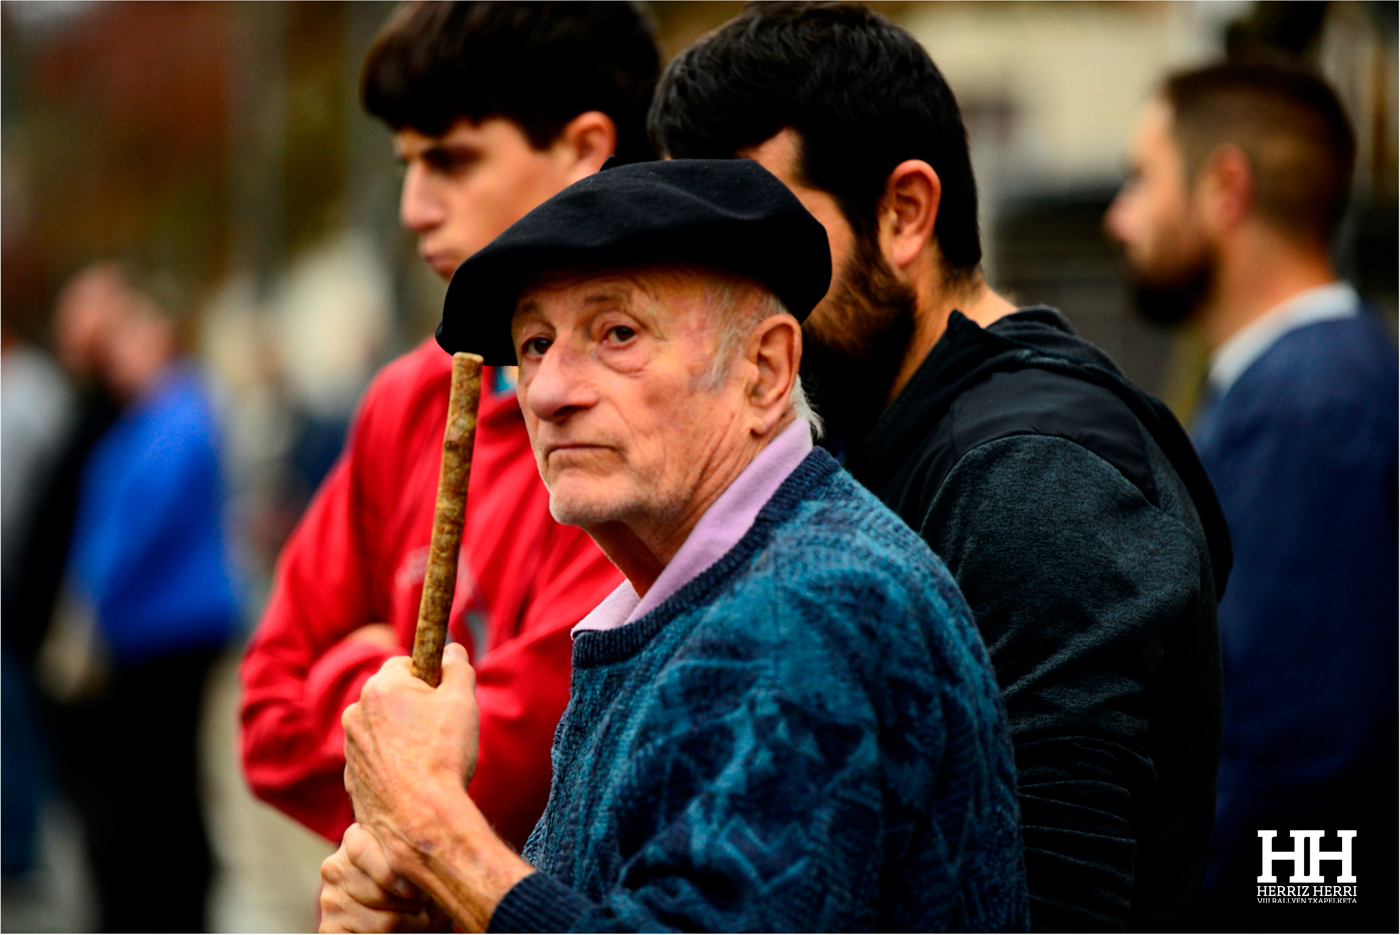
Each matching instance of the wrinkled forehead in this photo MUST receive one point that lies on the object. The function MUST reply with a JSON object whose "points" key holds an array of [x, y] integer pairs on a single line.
{"points": [[645, 290]]}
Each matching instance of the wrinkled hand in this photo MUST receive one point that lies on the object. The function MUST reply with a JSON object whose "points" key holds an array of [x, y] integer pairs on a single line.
{"points": [[405, 743], [360, 893]]}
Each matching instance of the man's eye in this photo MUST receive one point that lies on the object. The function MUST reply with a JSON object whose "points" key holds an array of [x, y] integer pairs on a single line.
{"points": [[621, 334], [448, 162], [536, 346]]}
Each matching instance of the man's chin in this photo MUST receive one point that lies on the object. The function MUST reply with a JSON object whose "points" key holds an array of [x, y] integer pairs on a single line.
{"points": [[1168, 306], [443, 264], [1171, 302], [571, 509]]}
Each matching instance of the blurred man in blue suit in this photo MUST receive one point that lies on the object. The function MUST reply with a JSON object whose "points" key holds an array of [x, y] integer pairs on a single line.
{"points": [[1240, 174]]}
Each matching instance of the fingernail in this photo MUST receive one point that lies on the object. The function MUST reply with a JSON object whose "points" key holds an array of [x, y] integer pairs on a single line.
{"points": [[404, 889]]}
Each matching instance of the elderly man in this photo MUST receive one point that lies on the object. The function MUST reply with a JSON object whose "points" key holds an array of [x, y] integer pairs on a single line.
{"points": [[784, 719]]}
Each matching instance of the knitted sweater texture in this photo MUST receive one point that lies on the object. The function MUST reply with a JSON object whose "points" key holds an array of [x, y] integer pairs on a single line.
{"points": [[806, 737]]}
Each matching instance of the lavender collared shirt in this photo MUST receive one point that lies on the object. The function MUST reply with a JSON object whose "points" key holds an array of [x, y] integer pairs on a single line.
{"points": [[719, 530]]}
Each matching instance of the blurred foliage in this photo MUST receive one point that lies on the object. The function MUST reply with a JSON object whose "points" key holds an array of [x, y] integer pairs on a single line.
{"points": [[316, 165], [115, 122], [190, 137]]}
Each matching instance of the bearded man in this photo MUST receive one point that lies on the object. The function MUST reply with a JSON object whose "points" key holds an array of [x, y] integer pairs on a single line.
{"points": [[1240, 175], [784, 719], [1068, 504]]}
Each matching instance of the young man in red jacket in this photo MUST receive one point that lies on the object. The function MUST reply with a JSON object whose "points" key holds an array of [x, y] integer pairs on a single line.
{"points": [[495, 107]]}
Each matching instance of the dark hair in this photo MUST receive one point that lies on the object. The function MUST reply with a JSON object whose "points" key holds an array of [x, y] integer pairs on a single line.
{"points": [[537, 64], [1290, 126], [860, 92]]}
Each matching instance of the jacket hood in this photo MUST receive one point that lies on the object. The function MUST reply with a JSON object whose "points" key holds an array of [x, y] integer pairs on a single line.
{"points": [[1037, 337]]}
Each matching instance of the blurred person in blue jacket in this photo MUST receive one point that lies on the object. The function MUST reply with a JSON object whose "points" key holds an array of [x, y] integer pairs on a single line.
{"points": [[1240, 174], [150, 599]]}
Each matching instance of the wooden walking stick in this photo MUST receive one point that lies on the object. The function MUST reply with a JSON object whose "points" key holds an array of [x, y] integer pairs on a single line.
{"points": [[440, 580]]}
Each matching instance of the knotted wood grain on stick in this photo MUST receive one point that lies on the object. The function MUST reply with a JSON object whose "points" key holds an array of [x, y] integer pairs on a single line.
{"points": [[440, 581]]}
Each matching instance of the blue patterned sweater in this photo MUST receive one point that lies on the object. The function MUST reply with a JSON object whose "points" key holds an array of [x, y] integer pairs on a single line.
{"points": [[806, 737]]}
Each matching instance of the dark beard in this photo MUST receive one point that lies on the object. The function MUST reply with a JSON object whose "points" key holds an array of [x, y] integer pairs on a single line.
{"points": [[1171, 302], [853, 350]]}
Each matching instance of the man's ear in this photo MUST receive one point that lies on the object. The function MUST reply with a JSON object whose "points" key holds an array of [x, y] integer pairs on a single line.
{"points": [[586, 142], [908, 211], [775, 352], [1226, 188]]}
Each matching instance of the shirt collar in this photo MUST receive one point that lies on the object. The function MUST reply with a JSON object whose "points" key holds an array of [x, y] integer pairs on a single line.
{"points": [[720, 528], [1321, 303]]}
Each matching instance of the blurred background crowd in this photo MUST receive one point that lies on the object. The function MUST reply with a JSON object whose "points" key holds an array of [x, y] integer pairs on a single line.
{"points": [[200, 235]]}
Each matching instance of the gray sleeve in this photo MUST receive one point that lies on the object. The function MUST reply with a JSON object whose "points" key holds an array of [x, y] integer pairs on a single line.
{"points": [[1076, 582]]}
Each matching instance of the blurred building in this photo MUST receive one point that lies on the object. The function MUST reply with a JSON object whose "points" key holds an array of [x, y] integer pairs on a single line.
{"points": [[1049, 92]]}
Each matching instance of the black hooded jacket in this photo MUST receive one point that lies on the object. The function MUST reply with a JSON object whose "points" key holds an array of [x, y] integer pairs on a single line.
{"points": [[1080, 525]]}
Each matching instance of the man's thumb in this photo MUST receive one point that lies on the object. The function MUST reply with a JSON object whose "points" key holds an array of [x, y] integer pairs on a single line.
{"points": [[457, 672]]}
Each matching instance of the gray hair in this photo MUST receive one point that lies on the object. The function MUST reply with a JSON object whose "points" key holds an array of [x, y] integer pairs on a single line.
{"points": [[738, 307]]}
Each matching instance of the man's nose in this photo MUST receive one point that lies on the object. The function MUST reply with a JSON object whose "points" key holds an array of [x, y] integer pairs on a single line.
{"points": [[560, 385], [1115, 220], [420, 209]]}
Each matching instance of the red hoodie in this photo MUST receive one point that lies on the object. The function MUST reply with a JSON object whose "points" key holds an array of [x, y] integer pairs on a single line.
{"points": [[358, 557]]}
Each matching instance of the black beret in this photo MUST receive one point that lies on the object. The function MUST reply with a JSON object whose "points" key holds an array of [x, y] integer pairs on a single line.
{"points": [[726, 214]]}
